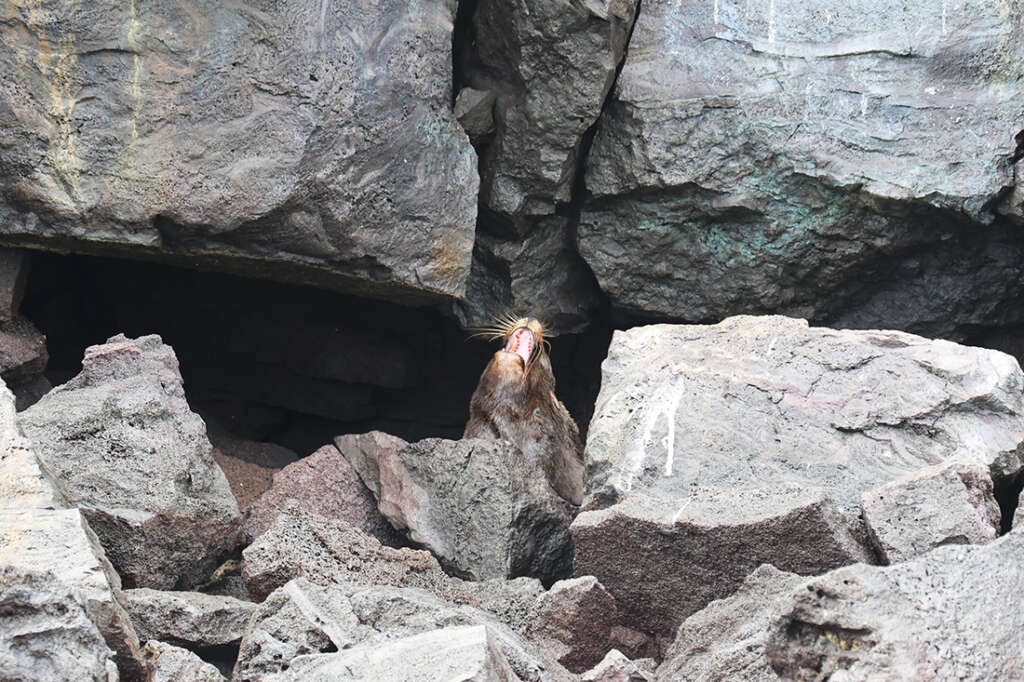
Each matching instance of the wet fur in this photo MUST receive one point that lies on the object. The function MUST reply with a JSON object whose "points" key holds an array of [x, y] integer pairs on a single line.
{"points": [[522, 408]]}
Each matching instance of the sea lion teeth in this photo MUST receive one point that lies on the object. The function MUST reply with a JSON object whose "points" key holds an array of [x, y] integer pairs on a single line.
{"points": [[515, 401]]}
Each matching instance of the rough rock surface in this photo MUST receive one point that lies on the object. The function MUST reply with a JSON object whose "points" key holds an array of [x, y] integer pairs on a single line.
{"points": [[754, 402], [552, 64], [615, 667], [828, 161], [572, 622], [322, 484], [466, 653], [726, 639], [24, 482], [302, 618], [248, 465], [477, 505], [540, 275], [51, 560], [362, 451], [47, 633], [942, 616], [296, 140], [664, 559], [187, 619], [330, 552], [167, 663], [13, 267], [126, 448], [939, 505]]}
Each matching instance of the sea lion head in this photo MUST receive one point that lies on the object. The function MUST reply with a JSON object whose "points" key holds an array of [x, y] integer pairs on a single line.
{"points": [[522, 350]]}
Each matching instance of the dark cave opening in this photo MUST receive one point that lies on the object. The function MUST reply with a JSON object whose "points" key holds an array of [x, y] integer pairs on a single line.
{"points": [[284, 364]]}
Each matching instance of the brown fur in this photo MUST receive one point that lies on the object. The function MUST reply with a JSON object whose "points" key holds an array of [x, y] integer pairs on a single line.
{"points": [[516, 401]]}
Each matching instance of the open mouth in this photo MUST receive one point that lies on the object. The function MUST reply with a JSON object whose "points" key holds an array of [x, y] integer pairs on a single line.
{"points": [[523, 343]]}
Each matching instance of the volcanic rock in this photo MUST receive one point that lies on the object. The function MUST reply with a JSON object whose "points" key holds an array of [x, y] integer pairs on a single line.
{"points": [[187, 619], [125, 447], [167, 663]]}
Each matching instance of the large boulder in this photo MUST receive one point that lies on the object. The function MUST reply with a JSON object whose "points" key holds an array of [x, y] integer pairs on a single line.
{"points": [[823, 160], [572, 622], [664, 559], [304, 619], [129, 452], [948, 615], [755, 402], [290, 141], [24, 481], [478, 505], [53, 567], [322, 484], [757, 438], [168, 663]]}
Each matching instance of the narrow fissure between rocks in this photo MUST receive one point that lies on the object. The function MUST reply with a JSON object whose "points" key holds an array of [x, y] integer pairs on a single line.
{"points": [[1007, 493]]}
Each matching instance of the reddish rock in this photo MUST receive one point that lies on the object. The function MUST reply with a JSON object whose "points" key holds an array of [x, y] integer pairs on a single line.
{"points": [[572, 622], [323, 484], [248, 465]]}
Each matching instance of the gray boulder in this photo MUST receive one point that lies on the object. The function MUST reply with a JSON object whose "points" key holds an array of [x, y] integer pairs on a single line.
{"points": [[939, 505], [755, 402], [823, 161], [23, 354], [322, 484], [285, 141], [466, 653], [187, 619], [948, 615], [552, 64], [47, 632], [665, 559], [167, 663], [127, 449], [726, 639], [478, 505], [53, 567], [302, 618]]}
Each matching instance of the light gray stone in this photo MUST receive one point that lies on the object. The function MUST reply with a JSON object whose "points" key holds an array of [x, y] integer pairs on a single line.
{"points": [[47, 633], [364, 449], [49, 558], [947, 615], [127, 449], [24, 482], [754, 402], [726, 639], [304, 619], [939, 505], [823, 160], [665, 559], [615, 667], [467, 653], [295, 140], [167, 663], [187, 619], [483, 509]]}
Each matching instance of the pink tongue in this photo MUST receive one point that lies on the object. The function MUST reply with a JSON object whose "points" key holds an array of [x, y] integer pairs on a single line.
{"points": [[521, 343]]}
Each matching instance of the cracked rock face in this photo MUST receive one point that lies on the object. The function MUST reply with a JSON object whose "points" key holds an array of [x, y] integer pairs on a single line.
{"points": [[291, 140], [826, 161], [126, 448]]}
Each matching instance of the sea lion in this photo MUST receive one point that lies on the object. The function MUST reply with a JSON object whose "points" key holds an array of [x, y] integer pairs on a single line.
{"points": [[515, 401]]}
